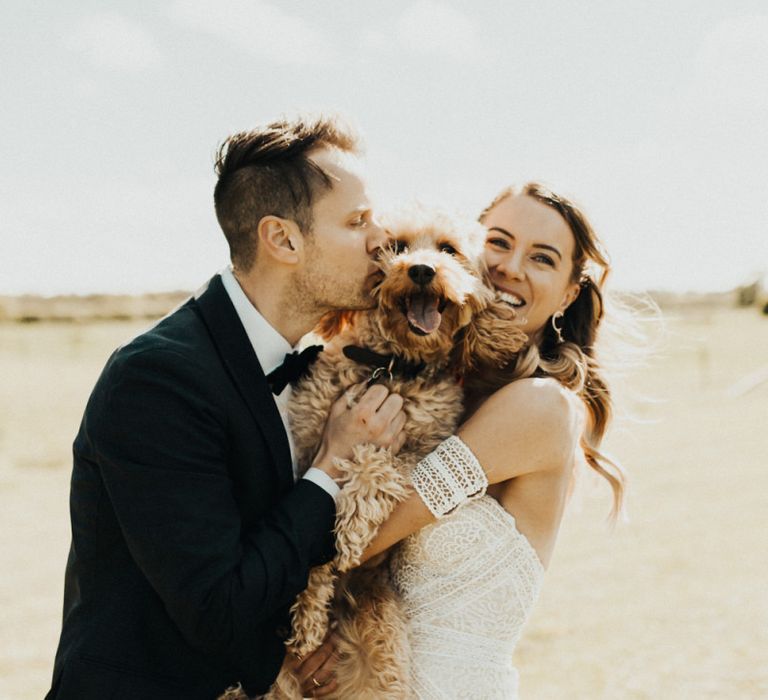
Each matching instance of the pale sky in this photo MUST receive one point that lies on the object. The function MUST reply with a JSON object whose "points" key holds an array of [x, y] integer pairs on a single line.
{"points": [[652, 114]]}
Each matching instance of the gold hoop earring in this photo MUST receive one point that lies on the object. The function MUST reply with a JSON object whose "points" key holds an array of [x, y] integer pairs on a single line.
{"points": [[558, 329]]}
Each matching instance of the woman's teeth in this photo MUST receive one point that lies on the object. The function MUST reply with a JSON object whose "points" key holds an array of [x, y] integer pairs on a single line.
{"points": [[512, 299]]}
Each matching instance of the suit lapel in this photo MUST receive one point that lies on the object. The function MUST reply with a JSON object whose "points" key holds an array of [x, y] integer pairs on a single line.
{"points": [[240, 360]]}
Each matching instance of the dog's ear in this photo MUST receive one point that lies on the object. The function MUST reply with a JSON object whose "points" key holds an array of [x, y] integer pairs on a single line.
{"points": [[475, 302], [466, 313], [490, 339], [333, 323]]}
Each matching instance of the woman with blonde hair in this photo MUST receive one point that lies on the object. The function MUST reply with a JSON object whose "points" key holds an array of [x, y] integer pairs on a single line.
{"points": [[479, 529]]}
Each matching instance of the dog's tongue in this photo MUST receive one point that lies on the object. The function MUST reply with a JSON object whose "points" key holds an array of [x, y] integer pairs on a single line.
{"points": [[423, 313]]}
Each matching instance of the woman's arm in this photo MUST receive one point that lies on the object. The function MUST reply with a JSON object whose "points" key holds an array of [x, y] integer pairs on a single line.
{"points": [[528, 426]]}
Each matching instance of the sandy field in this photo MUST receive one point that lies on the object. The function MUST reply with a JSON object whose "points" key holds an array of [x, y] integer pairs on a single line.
{"points": [[671, 604]]}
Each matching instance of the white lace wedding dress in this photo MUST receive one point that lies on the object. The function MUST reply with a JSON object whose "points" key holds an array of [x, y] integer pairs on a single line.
{"points": [[468, 583]]}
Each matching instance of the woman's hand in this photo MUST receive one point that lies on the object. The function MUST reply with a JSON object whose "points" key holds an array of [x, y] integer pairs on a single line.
{"points": [[376, 418]]}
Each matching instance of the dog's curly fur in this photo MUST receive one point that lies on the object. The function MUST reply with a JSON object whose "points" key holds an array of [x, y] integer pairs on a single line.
{"points": [[475, 328]]}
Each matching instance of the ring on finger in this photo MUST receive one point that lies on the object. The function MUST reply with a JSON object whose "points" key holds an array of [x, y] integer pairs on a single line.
{"points": [[316, 682]]}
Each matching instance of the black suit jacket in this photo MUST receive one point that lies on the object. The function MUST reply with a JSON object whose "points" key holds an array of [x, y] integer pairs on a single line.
{"points": [[190, 539]]}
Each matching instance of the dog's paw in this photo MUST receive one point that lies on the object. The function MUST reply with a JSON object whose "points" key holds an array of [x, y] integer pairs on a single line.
{"points": [[310, 612], [375, 485]]}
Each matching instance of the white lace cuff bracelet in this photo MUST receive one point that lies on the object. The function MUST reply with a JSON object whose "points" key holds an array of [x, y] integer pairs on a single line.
{"points": [[448, 476]]}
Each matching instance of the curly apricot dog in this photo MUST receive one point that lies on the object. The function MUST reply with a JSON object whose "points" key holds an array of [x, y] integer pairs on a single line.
{"points": [[434, 318]]}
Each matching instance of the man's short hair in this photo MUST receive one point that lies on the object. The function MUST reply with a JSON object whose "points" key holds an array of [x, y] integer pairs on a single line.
{"points": [[266, 171]]}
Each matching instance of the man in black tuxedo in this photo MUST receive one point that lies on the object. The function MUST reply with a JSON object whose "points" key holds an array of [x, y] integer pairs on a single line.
{"points": [[191, 534]]}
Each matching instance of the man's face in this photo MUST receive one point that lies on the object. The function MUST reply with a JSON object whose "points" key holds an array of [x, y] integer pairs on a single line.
{"points": [[338, 269]]}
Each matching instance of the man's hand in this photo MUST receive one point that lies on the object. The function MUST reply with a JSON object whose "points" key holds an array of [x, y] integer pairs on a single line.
{"points": [[377, 418], [315, 672]]}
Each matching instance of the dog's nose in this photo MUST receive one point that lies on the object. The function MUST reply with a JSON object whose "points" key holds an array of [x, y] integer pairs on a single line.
{"points": [[421, 274]]}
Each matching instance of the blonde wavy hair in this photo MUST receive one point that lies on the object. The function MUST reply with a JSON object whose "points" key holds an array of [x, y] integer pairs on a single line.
{"points": [[572, 362]]}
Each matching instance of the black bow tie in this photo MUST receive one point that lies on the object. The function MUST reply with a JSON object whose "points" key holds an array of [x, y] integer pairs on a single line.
{"points": [[294, 367]]}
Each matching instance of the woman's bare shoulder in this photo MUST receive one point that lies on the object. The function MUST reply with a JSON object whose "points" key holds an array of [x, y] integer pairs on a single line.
{"points": [[537, 420], [542, 395]]}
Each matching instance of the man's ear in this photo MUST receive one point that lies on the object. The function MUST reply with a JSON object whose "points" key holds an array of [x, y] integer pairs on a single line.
{"points": [[280, 239]]}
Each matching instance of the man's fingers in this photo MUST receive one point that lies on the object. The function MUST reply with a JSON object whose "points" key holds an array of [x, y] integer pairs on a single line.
{"points": [[317, 667], [373, 398], [325, 676], [380, 421], [292, 663], [327, 689], [392, 404], [393, 432], [399, 442], [313, 663], [386, 422], [341, 404], [324, 673]]}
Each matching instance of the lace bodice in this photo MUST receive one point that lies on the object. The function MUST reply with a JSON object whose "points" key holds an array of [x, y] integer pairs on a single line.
{"points": [[468, 583]]}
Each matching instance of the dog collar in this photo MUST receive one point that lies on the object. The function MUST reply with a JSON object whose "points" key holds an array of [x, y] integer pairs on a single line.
{"points": [[385, 366]]}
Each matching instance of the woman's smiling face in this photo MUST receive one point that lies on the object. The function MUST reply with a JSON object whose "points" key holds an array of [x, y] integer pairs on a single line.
{"points": [[529, 252]]}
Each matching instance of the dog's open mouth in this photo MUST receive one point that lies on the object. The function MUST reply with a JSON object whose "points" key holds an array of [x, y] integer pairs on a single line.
{"points": [[424, 312]]}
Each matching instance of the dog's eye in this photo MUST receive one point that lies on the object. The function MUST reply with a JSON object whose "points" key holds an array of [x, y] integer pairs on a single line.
{"points": [[398, 246], [447, 248]]}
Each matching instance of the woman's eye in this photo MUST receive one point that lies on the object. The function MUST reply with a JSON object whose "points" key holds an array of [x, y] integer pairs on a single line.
{"points": [[545, 259], [447, 248], [498, 243]]}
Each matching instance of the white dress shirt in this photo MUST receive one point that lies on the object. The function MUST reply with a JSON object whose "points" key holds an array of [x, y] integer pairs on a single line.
{"points": [[270, 348]]}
